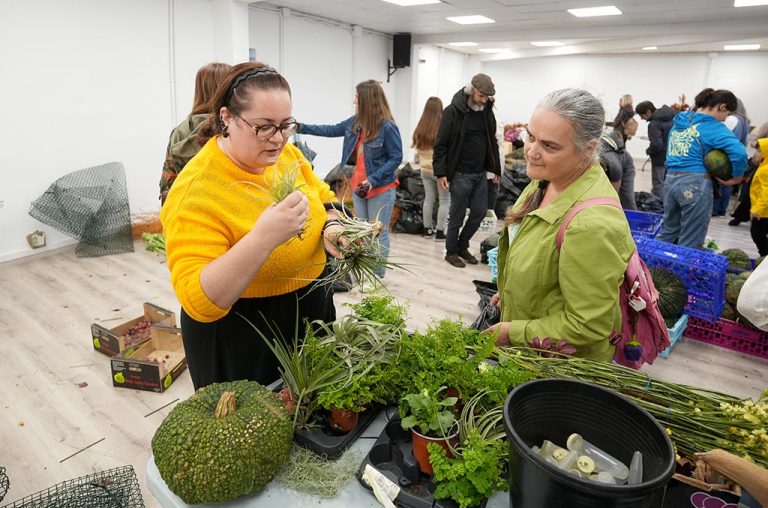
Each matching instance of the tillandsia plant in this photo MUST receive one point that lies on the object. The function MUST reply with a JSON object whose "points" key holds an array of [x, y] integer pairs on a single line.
{"points": [[697, 420]]}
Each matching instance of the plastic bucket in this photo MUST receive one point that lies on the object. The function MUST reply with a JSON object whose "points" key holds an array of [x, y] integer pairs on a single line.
{"points": [[555, 408]]}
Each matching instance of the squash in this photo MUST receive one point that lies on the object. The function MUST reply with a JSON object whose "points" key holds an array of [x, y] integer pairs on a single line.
{"points": [[225, 441], [732, 291], [673, 295], [738, 259]]}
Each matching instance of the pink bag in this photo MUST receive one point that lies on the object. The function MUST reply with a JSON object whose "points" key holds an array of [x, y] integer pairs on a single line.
{"points": [[643, 332]]}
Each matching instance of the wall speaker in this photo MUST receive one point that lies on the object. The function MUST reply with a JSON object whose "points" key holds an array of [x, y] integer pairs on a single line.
{"points": [[401, 51]]}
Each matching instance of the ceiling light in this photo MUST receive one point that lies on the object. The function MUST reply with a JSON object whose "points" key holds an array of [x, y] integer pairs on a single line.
{"points": [[492, 50], [749, 3], [546, 44], [741, 47], [650, 48], [470, 20], [462, 44], [409, 3], [608, 10]]}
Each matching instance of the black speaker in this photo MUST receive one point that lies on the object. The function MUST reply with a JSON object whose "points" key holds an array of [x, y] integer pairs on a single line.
{"points": [[401, 51]]}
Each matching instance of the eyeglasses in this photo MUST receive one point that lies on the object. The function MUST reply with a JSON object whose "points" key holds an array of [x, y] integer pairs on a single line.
{"points": [[266, 131]]}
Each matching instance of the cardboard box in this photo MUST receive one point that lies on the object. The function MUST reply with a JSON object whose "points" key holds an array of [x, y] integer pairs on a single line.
{"points": [[154, 365], [111, 341]]}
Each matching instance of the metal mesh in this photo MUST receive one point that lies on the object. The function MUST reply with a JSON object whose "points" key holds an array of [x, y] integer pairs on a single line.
{"points": [[114, 488], [92, 205]]}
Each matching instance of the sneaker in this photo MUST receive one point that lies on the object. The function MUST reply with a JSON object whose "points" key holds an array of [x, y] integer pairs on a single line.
{"points": [[455, 260], [428, 233], [468, 257], [734, 222], [440, 235]]}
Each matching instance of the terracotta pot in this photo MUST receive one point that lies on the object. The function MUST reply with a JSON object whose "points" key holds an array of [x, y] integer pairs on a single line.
{"points": [[453, 392], [419, 443], [343, 420]]}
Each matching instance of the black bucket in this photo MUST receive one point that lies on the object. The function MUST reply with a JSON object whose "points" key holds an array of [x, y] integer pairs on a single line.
{"points": [[555, 408]]}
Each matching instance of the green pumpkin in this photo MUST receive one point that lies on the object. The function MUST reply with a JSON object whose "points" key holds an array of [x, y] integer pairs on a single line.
{"points": [[732, 291], [227, 440], [673, 295], [718, 164], [729, 312], [738, 259]]}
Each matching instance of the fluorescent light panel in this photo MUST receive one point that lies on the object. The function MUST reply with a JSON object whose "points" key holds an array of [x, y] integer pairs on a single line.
{"points": [[470, 20], [607, 10], [741, 47], [546, 44], [409, 3], [749, 3], [650, 48], [462, 44], [492, 50]]}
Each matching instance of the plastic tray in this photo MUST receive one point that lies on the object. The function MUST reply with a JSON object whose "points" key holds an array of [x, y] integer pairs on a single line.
{"points": [[702, 272], [645, 224], [675, 334], [730, 335], [392, 456]]}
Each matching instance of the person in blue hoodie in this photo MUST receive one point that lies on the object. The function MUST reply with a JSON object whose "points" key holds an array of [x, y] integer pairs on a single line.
{"points": [[688, 186]]}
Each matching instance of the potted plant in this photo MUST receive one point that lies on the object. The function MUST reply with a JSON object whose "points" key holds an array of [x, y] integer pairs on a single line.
{"points": [[431, 419], [345, 401]]}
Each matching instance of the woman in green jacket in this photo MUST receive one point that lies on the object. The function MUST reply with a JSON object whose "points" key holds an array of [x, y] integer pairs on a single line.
{"points": [[571, 295]]}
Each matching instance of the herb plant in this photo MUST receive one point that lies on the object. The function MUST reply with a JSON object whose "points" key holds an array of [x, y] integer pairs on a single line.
{"points": [[430, 413]]}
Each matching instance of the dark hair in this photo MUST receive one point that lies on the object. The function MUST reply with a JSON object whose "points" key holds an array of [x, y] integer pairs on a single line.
{"points": [[426, 130], [237, 87], [586, 115], [710, 98], [372, 108], [206, 81], [645, 107]]}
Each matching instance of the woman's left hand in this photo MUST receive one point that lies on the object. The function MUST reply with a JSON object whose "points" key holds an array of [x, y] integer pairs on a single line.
{"points": [[732, 181], [501, 330], [331, 239]]}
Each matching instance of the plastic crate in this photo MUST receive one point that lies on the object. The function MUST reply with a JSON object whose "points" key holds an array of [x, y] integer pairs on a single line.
{"points": [[702, 272], [492, 254], [675, 334], [730, 335], [645, 224]]}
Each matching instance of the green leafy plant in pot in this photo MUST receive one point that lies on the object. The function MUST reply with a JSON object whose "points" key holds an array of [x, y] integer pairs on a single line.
{"points": [[345, 402], [431, 419]]}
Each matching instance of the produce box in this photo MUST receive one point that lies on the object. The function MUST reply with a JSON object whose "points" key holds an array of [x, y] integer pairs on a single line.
{"points": [[702, 272], [675, 334], [154, 365], [730, 335], [113, 341]]}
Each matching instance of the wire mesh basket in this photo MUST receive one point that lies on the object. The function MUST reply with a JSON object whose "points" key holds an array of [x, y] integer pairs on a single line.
{"points": [[114, 488]]}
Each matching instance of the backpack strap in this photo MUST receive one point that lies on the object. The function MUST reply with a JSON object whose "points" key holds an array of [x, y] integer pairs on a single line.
{"points": [[576, 209]]}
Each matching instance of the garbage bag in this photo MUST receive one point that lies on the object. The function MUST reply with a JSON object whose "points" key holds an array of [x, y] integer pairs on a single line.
{"points": [[486, 290], [489, 316], [647, 202], [410, 217]]}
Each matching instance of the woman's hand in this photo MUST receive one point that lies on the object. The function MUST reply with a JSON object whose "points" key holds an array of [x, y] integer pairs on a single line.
{"points": [[732, 181], [496, 300], [442, 182], [501, 330], [279, 223], [331, 239]]}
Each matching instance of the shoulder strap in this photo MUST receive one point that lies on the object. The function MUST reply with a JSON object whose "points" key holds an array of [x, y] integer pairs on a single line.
{"points": [[576, 209]]}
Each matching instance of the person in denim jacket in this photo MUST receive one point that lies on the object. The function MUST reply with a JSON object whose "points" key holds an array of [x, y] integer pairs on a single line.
{"points": [[688, 196], [372, 144]]}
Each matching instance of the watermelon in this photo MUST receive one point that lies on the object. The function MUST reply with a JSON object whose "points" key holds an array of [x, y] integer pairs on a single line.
{"points": [[738, 259], [730, 277], [673, 295], [732, 291], [718, 164], [745, 275], [729, 312]]}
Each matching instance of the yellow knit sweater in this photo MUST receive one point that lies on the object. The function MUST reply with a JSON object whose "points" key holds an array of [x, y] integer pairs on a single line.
{"points": [[211, 206]]}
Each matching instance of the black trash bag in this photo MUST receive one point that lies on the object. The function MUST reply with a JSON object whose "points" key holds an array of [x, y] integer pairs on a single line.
{"points": [[342, 285], [486, 290], [647, 202], [502, 204], [338, 177], [489, 316], [489, 243], [513, 180], [410, 220], [411, 187]]}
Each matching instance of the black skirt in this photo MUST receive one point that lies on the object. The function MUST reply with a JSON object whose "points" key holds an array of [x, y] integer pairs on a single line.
{"points": [[230, 349]]}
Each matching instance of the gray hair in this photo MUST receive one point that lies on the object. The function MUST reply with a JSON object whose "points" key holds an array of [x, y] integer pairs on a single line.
{"points": [[583, 111]]}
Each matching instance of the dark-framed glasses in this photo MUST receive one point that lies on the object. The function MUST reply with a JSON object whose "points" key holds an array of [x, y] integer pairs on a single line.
{"points": [[266, 131]]}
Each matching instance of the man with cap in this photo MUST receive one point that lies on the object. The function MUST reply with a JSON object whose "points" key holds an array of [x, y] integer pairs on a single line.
{"points": [[464, 150]]}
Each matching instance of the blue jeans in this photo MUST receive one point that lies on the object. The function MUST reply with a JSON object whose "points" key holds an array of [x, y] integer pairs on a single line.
{"points": [[687, 209], [721, 205], [431, 191], [468, 190], [377, 208]]}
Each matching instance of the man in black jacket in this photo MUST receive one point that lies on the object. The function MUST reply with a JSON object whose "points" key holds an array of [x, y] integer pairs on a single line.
{"points": [[465, 149], [659, 124]]}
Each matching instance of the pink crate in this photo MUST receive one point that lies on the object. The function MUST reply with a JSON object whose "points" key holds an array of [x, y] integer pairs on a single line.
{"points": [[730, 335]]}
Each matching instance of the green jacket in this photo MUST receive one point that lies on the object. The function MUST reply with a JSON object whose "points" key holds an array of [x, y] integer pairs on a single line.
{"points": [[573, 295], [183, 144]]}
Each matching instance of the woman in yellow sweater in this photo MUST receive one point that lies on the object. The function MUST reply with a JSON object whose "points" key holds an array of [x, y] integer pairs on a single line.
{"points": [[231, 249]]}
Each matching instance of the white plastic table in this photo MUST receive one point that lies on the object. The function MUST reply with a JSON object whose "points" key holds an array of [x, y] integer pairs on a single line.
{"points": [[275, 495]]}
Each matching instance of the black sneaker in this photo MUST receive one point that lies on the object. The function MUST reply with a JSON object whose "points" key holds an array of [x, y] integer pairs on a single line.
{"points": [[455, 260], [428, 232], [468, 257], [734, 222], [439, 235]]}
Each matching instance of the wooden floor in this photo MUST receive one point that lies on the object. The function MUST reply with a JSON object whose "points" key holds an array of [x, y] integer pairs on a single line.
{"points": [[56, 391]]}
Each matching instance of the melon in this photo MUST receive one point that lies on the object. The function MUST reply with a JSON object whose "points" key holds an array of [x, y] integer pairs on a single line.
{"points": [[673, 295], [718, 164], [738, 259]]}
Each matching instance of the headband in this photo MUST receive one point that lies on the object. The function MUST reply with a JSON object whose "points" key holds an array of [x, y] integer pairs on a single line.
{"points": [[247, 75]]}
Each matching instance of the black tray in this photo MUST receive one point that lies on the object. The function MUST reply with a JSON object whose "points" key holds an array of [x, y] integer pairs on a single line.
{"points": [[392, 456]]}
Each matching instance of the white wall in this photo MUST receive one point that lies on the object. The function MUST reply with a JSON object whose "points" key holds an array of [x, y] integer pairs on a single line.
{"points": [[520, 84]]}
